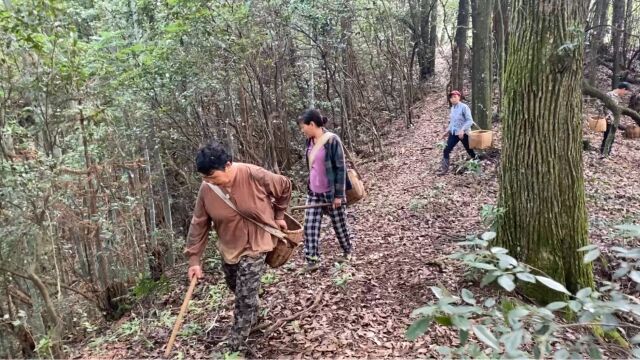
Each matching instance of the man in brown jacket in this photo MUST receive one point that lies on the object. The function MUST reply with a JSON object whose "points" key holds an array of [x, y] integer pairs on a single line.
{"points": [[257, 194]]}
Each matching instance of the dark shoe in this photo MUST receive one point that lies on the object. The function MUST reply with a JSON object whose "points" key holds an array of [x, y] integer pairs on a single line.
{"points": [[344, 258], [234, 344], [445, 167], [311, 267]]}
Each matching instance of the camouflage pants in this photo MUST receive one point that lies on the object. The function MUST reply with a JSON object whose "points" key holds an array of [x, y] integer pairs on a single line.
{"points": [[243, 279]]}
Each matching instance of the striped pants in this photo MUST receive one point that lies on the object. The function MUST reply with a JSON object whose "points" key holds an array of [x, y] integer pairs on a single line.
{"points": [[313, 221]]}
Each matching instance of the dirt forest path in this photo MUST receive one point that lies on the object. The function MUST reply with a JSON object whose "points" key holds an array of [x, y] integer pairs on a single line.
{"points": [[401, 231]]}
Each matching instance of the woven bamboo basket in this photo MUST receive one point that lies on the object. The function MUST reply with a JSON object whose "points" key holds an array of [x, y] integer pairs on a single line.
{"points": [[598, 124], [284, 248], [357, 191], [480, 139], [632, 132]]}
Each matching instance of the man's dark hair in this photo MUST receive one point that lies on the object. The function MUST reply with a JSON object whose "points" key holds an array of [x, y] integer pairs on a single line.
{"points": [[211, 157], [623, 85]]}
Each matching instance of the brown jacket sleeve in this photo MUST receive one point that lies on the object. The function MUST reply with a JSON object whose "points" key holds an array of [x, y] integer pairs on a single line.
{"points": [[278, 187], [198, 235]]}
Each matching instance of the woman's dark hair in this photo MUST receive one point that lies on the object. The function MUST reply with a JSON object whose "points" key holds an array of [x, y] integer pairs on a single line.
{"points": [[211, 157], [313, 116]]}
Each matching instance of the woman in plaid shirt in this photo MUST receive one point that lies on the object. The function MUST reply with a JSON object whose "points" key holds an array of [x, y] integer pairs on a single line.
{"points": [[327, 183]]}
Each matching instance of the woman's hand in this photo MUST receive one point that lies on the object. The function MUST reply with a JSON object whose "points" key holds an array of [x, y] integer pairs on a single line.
{"points": [[196, 271], [461, 134], [281, 224], [337, 202]]}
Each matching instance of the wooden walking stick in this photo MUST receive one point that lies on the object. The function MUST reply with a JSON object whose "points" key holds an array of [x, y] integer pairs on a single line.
{"points": [[183, 310], [310, 206]]}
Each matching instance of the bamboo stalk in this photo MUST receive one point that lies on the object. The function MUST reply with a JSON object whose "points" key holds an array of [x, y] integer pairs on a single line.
{"points": [[183, 310]]}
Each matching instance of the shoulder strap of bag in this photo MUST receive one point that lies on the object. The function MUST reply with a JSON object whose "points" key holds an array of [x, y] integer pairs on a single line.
{"points": [[323, 140], [271, 230], [464, 115], [350, 159], [316, 147]]}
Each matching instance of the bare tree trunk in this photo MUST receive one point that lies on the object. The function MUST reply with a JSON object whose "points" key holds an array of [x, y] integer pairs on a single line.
{"points": [[603, 22], [414, 50], [617, 27], [47, 231], [628, 28], [421, 31], [152, 145], [20, 331], [166, 211], [460, 49], [144, 219], [152, 204], [433, 39], [92, 194], [268, 117], [424, 16], [500, 30], [56, 329], [595, 40], [481, 79], [348, 73]]}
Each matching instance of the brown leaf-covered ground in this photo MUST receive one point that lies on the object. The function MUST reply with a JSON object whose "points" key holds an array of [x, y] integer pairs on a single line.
{"points": [[402, 233]]}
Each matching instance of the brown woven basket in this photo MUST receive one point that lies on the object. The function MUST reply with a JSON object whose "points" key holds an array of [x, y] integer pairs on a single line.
{"points": [[632, 132], [598, 124], [284, 248], [357, 191], [480, 139]]}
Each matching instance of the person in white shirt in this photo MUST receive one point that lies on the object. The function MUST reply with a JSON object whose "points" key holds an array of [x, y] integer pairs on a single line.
{"points": [[460, 122]]}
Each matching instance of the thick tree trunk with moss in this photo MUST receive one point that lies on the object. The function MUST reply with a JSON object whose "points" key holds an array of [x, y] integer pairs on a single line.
{"points": [[542, 185], [481, 78]]}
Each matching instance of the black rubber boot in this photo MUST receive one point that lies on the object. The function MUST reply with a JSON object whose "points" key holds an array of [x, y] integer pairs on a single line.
{"points": [[445, 167]]}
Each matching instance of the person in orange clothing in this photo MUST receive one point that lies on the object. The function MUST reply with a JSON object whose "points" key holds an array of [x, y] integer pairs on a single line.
{"points": [[258, 194]]}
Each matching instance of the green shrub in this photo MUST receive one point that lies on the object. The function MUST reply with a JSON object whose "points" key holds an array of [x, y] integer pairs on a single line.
{"points": [[508, 328]]}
